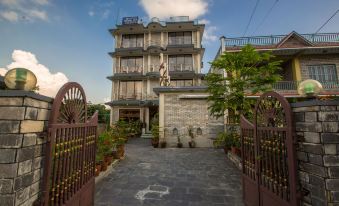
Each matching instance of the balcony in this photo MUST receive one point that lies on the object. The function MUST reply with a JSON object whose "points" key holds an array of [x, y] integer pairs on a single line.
{"points": [[275, 39], [126, 70], [178, 42], [134, 96], [154, 44], [180, 67]]}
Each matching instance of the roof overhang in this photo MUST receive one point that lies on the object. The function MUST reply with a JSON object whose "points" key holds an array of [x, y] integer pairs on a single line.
{"points": [[201, 89]]}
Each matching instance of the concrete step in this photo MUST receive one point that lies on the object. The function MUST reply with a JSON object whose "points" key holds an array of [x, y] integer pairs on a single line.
{"points": [[147, 136]]}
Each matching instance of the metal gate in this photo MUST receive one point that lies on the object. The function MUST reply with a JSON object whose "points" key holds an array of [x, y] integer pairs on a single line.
{"points": [[71, 146], [269, 163]]}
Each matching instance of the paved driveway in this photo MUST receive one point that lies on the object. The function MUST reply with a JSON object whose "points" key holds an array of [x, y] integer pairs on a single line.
{"points": [[171, 177]]}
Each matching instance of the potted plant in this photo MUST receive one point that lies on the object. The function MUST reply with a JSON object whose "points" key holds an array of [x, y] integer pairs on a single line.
{"points": [[163, 143], [98, 162], [155, 132], [236, 145], [224, 140], [105, 148], [191, 143], [179, 144]]}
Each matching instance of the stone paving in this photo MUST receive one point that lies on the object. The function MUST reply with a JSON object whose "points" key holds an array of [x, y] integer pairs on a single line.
{"points": [[170, 177]]}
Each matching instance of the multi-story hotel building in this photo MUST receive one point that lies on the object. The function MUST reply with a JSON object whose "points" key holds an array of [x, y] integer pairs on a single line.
{"points": [[139, 51]]}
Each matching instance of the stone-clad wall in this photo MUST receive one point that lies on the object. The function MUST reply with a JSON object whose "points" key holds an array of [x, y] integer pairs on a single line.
{"points": [[317, 130], [180, 113], [23, 127]]}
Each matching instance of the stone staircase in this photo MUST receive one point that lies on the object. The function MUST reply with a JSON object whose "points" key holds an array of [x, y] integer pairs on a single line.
{"points": [[147, 136]]}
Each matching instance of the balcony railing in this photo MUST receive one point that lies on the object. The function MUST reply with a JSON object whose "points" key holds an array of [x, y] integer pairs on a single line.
{"points": [[293, 86], [275, 39], [127, 69], [134, 96], [180, 67], [154, 68], [181, 42], [156, 43]]}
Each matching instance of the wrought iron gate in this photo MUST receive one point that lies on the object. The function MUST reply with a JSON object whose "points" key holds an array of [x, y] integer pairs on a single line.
{"points": [[70, 156], [269, 163]]}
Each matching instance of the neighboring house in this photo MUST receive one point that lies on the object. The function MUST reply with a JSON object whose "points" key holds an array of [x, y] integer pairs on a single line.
{"points": [[139, 51], [304, 56]]}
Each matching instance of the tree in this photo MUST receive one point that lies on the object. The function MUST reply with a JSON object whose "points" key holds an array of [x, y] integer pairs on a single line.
{"points": [[248, 72], [103, 113]]}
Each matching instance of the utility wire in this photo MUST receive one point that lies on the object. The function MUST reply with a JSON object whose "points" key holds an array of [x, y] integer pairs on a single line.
{"points": [[327, 21], [249, 22], [266, 15]]}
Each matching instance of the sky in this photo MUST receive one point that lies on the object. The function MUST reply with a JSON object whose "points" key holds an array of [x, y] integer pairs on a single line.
{"points": [[68, 40]]}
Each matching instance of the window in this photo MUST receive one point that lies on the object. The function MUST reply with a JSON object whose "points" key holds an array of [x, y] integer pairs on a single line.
{"points": [[131, 64], [178, 38], [180, 62], [132, 40], [182, 83], [323, 72], [130, 90]]}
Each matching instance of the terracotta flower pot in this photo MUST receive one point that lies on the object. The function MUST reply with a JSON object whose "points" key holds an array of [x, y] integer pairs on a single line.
{"points": [[191, 144], [236, 151], [121, 151], [155, 143], [103, 166], [226, 149], [163, 144], [109, 159], [97, 169]]}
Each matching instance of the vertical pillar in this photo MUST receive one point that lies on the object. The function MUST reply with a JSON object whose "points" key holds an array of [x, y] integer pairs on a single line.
{"points": [[198, 44], [162, 115], [317, 132], [23, 134], [296, 69]]}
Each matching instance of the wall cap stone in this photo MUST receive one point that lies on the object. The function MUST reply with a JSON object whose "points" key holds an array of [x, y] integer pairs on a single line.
{"points": [[21, 93], [315, 103]]}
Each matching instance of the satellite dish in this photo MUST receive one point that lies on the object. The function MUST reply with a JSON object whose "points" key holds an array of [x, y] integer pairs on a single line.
{"points": [[20, 79], [309, 88]]}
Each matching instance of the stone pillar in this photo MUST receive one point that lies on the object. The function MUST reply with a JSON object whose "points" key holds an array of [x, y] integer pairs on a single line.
{"points": [[23, 131], [317, 127]]}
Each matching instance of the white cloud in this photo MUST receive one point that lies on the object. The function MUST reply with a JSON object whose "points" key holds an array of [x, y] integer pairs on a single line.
{"points": [[10, 16], [41, 2], [105, 14], [36, 14], [209, 34], [166, 8], [15, 10], [91, 13], [204, 21], [49, 84], [10, 2]]}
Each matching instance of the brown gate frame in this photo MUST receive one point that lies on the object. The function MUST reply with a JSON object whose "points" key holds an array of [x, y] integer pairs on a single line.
{"points": [[255, 193], [68, 177]]}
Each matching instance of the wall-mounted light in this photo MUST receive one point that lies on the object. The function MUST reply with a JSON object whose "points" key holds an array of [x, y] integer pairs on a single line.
{"points": [[20, 79], [309, 88]]}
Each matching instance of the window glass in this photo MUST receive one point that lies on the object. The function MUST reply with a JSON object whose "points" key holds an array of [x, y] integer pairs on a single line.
{"points": [[179, 38], [123, 87], [172, 61], [140, 40], [187, 37], [323, 73], [188, 63], [171, 38], [123, 65], [138, 64]]}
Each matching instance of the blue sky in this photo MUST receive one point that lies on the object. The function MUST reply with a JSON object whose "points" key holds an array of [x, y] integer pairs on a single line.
{"points": [[71, 36]]}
